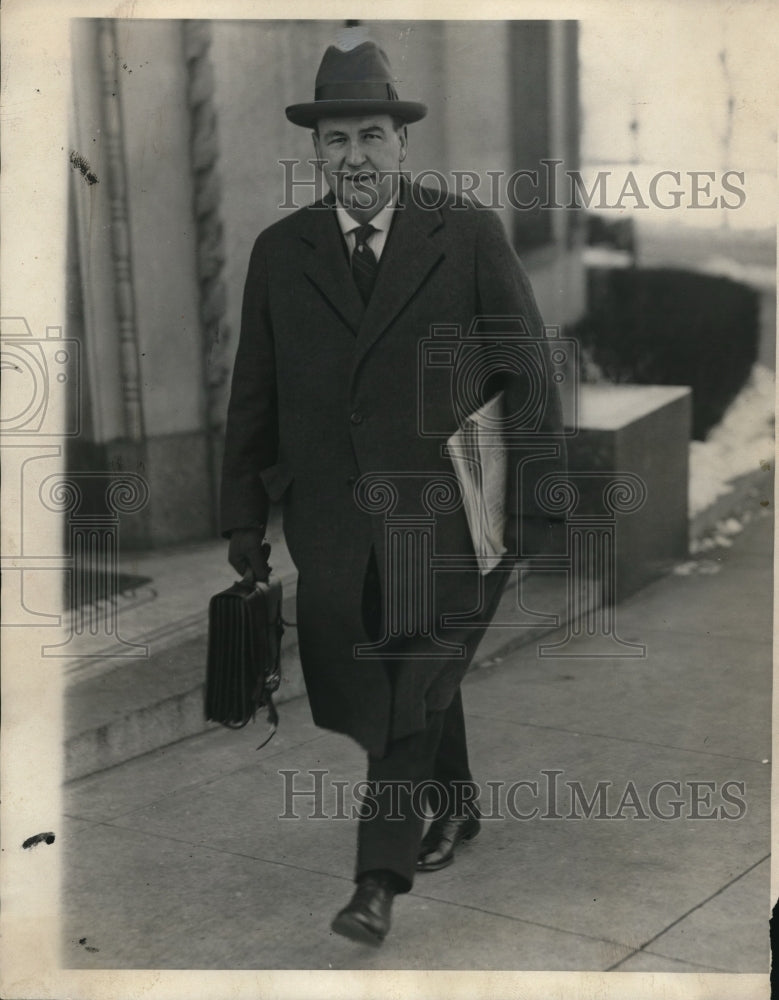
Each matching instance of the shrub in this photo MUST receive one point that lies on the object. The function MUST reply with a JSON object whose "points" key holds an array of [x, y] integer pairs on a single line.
{"points": [[670, 327]]}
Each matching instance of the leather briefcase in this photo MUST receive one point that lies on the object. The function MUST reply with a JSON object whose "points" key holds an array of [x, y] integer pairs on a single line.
{"points": [[244, 653]]}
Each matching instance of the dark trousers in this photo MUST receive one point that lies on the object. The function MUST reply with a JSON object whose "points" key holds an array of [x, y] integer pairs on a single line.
{"points": [[428, 768]]}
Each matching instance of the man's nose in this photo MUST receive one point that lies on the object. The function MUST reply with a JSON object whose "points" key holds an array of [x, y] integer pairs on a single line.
{"points": [[355, 155]]}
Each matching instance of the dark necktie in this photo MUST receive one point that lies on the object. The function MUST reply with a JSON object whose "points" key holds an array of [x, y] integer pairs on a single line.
{"points": [[364, 263]]}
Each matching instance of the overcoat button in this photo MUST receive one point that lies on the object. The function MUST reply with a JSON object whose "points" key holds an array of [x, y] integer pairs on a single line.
{"points": [[356, 417]]}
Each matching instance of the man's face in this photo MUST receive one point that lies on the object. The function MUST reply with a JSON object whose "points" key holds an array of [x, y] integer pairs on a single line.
{"points": [[361, 158]]}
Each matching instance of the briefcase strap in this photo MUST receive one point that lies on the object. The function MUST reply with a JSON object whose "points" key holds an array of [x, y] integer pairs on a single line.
{"points": [[273, 722]]}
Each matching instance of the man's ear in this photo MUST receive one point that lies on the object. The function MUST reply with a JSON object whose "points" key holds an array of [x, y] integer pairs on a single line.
{"points": [[403, 136]]}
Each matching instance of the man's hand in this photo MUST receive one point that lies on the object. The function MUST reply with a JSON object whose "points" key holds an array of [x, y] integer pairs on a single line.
{"points": [[248, 552]]}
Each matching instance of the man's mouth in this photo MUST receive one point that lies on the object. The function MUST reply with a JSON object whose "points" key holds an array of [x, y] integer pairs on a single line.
{"points": [[362, 177]]}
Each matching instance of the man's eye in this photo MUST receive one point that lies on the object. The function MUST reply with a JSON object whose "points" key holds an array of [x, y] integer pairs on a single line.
{"points": [[335, 142]]}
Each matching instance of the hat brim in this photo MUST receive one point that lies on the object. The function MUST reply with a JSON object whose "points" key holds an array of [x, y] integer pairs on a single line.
{"points": [[309, 114]]}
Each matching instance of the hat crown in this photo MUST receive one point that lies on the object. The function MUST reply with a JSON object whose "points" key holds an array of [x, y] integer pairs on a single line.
{"points": [[360, 73], [355, 82], [366, 63]]}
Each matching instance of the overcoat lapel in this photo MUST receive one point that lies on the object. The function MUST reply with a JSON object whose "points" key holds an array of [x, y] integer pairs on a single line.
{"points": [[409, 257], [327, 267]]}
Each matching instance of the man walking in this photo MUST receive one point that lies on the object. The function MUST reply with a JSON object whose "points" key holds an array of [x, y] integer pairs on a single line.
{"points": [[329, 415]]}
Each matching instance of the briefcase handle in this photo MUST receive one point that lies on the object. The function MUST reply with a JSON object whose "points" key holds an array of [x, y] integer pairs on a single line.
{"points": [[249, 581]]}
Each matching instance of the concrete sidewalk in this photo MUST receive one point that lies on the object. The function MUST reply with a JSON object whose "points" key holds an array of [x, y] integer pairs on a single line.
{"points": [[178, 859]]}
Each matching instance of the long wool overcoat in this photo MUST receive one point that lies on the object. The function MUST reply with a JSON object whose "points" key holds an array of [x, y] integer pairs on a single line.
{"points": [[326, 390]]}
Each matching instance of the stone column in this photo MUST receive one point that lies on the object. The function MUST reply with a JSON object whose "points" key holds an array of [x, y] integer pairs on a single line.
{"points": [[592, 561], [408, 585], [92, 556]]}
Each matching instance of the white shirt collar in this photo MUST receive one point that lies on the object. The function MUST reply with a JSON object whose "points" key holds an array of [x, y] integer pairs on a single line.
{"points": [[381, 220]]}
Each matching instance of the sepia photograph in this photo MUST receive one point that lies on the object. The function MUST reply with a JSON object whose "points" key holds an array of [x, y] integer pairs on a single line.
{"points": [[388, 500]]}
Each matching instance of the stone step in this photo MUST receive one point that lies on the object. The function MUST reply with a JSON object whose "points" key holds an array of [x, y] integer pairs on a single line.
{"points": [[135, 706]]}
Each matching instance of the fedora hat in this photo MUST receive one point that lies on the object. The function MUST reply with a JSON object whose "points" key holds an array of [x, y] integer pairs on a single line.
{"points": [[354, 83]]}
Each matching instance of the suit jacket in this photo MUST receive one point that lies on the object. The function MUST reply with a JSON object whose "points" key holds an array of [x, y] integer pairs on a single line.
{"points": [[326, 390]]}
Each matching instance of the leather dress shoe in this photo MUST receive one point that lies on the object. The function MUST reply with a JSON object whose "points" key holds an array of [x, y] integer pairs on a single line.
{"points": [[367, 916], [441, 840]]}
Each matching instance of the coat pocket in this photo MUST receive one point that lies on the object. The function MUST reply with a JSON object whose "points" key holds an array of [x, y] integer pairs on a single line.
{"points": [[276, 479]]}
